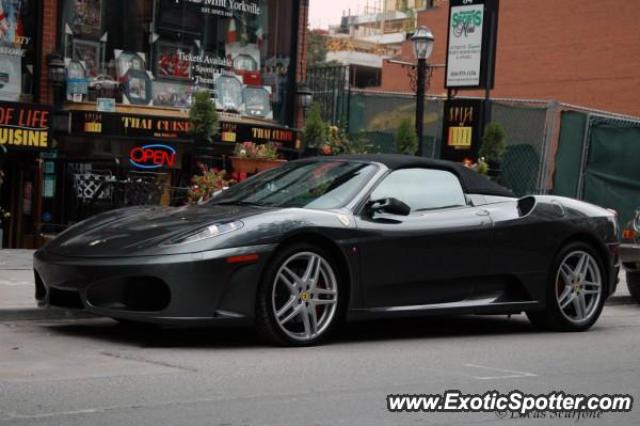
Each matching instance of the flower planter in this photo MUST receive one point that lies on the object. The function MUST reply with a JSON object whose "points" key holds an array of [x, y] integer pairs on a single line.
{"points": [[254, 165]]}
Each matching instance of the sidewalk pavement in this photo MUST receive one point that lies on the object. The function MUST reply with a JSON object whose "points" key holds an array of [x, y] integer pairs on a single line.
{"points": [[17, 290]]}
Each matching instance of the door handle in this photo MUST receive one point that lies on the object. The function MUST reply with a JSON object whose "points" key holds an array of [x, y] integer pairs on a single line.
{"points": [[482, 213]]}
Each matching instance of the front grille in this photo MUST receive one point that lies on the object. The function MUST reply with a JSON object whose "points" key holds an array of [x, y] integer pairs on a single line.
{"points": [[65, 299], [141, 294]]}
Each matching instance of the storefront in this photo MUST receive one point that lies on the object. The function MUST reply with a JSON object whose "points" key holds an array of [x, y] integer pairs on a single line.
{"points": [[132, 67], [24, 137], [24, 126]]}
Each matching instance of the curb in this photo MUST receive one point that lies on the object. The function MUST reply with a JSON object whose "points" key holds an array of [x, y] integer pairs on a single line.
{"points": [[37, 314], [621, 300]]}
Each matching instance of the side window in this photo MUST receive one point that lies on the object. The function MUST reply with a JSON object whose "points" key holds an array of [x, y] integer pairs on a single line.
{"points": [[422, 189]]}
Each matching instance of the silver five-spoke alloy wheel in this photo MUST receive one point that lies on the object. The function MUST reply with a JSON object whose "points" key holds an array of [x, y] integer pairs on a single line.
{"points": [[578, 286], [305, 296]]}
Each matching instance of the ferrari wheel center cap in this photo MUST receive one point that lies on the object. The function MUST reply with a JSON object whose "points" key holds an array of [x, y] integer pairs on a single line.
{"points": [[305, 296]]}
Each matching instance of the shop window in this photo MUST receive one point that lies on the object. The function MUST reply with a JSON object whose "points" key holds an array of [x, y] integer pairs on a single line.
{"points": [[17, 49], [158, 52]]}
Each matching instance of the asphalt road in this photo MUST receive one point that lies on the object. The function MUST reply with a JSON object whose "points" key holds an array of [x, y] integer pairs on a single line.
{"points": [[97, 372]]}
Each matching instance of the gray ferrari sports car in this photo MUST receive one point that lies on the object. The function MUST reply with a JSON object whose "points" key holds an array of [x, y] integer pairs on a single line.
{"points": [[298, 249]]}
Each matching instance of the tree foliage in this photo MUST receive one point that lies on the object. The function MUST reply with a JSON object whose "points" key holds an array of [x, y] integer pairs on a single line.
{"points": [[406, 138], [316, 48]]}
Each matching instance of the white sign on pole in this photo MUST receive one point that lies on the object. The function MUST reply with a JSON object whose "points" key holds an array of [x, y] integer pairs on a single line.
{"points": [[465, 45]]}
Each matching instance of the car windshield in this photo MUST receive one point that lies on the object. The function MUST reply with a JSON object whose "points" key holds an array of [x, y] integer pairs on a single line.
{"points": [[316, 185]]}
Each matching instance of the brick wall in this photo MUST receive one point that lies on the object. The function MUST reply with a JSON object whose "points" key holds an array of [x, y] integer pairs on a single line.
{"points": [[580, 52], [49, 37], [301, 66]]}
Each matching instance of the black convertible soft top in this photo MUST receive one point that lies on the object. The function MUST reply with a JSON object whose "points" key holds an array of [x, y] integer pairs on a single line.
{"points": [[472, 182]]}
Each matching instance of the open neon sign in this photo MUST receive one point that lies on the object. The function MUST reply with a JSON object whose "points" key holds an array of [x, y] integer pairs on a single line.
{"points": [[154, 156]]}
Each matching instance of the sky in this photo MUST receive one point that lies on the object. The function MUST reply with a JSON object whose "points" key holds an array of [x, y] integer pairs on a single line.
{"points": [[323, 13]]}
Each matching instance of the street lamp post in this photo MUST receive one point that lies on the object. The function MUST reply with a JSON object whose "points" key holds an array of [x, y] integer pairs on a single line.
{"points": [[305, 97], [422, 47]]}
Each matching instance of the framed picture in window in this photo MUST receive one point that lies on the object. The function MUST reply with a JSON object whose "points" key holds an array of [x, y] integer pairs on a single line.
{"points": [[257, 101], [86, 19], [172, 94], [229, 92], [87, 52], [171, 62]]}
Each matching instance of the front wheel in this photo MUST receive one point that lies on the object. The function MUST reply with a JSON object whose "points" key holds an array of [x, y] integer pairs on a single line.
{"points": [[633, 283], [299, 299], [575, 291]]}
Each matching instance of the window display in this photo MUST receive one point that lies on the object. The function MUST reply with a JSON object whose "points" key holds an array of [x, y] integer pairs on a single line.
{"points": [[160, 51], [17, 48]]}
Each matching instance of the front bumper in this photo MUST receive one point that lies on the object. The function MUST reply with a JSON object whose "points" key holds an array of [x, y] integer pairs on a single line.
{"points": [[176, 289], [630, 255]]}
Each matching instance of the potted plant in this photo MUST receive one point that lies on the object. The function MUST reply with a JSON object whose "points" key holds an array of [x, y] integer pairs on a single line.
{"points": [[493, 147], [207, 184], [250, 158], [406, 138], [316, 131], [203, 117]]}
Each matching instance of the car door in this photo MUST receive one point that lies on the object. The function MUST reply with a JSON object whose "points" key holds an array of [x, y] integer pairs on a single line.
{"points": [[430, 256]]}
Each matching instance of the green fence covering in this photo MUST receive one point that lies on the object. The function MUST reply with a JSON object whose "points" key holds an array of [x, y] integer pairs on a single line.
{"points": [[378, 115], [569, 155], [612, 175]]}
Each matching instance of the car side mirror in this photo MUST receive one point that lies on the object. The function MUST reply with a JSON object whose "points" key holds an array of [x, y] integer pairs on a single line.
{"points": [[389, 205]]}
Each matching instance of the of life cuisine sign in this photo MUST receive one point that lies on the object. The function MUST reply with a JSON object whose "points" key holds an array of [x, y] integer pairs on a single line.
{"points": [[153, 156], [24, 126]]}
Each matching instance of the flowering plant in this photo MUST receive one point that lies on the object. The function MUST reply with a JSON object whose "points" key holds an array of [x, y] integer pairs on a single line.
{"points": [[204, 186], [481, 166], [342, 143], [267, 151]]}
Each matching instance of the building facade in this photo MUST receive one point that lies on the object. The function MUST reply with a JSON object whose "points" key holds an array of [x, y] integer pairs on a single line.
{"points": [[578, 52], [95, 97]]}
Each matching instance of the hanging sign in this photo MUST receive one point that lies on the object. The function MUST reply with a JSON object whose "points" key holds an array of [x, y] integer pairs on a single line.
{"points": [[462, 128], [470, 44]]}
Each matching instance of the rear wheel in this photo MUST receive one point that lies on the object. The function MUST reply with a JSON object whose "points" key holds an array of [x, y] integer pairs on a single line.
{"points": [[575, 291], [299, 299], [633, 283]]}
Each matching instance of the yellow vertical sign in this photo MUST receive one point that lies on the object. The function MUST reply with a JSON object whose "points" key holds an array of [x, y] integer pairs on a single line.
{"points": [[460, 137]]}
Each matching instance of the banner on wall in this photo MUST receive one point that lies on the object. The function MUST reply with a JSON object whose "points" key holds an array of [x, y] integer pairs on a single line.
{"points": [[25, 126], [130, 126]]}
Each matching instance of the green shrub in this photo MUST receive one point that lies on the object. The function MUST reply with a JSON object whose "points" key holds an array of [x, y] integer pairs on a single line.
{"points": [[316, 130], [493, 143], [406, 138], [203, 117]]}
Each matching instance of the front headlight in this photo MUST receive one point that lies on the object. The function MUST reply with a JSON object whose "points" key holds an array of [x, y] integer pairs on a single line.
{"points": [[208, 232]]}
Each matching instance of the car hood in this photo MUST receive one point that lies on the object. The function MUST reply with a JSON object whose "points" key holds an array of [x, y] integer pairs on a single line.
{"points": [[137, 230]]}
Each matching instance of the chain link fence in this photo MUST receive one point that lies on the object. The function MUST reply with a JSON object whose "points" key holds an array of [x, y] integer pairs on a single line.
{"points": [[527, 122], [551, 147], [377, 117]]}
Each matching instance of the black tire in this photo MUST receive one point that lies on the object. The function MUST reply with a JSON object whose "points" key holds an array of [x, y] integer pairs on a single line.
{"points": [[633, 283], [552, 317], [266, 323]]}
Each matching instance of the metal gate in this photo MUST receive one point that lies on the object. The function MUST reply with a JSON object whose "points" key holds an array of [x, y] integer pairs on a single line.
{"points": [[331, 89]]}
